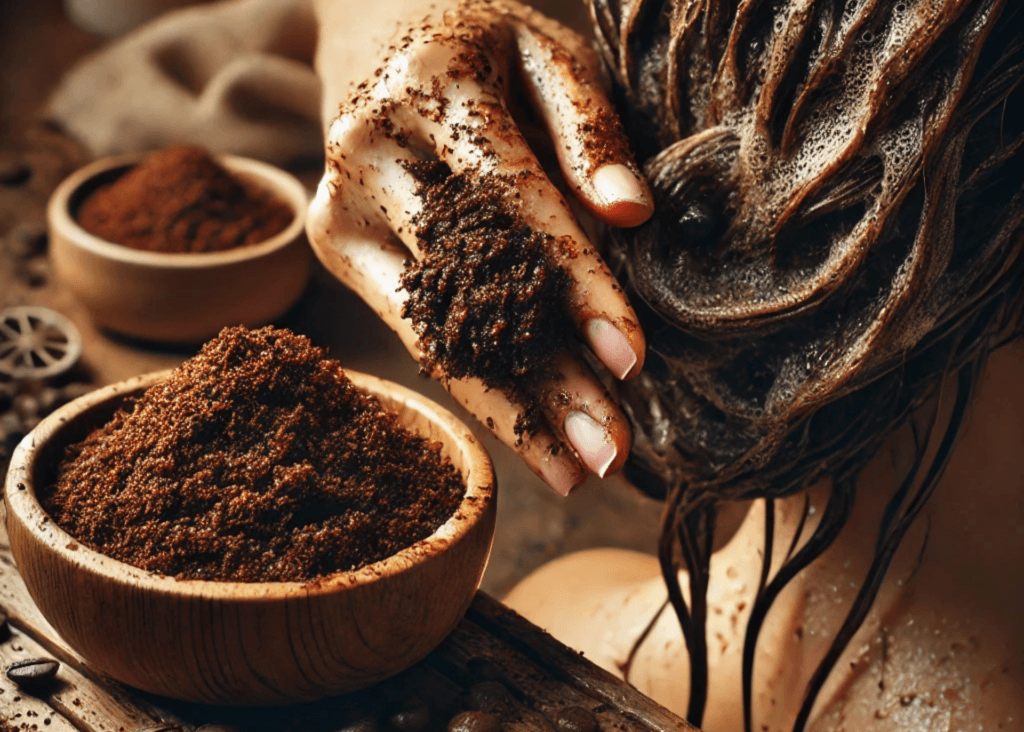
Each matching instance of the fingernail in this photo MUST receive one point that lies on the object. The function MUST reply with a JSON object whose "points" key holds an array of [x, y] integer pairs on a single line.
{"points": [[591, 442], [611, 346], [623, 194], [561, 474]]}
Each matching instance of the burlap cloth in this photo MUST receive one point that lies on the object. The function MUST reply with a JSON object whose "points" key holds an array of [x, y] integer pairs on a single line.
{"points": [[234, 77]]}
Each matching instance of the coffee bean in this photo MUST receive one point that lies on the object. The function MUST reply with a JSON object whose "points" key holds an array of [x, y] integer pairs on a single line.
{"points": [[474, 722], [10, 421], [27, 240], [575, 719], [218, 728], [161, 727], [535, 722], [490, 696], [33, 673], [363, 724], [5, 629], [13, 170], [33, 272], [10, 431], [26, 406], [412, 717], [6, 396], [49, 400]]}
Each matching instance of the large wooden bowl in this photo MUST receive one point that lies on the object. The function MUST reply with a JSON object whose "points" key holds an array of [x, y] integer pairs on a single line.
{"points": [[250, 643], [178, 298]]}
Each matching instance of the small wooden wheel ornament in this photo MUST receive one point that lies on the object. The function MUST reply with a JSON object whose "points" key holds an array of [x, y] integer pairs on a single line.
{"points": [[37, 343]]}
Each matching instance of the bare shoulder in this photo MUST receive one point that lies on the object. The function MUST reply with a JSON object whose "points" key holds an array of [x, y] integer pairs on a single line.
{"points": [[930, 669], [946, 654]]}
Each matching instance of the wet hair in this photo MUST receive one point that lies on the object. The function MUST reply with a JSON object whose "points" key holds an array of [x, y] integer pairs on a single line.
{"points": [[839, 232]]}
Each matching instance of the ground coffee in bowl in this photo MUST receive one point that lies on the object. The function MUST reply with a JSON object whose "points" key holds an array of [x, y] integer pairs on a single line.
{"points": [[180, 200], [256, 461], [173, 246]]}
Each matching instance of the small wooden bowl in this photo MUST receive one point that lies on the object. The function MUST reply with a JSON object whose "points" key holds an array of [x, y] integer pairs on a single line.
{"points": [[250, 643], [178, 298]]}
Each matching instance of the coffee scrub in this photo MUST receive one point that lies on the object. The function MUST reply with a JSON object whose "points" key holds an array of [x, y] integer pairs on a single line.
{"points": [[257, 460], [182, 201]]}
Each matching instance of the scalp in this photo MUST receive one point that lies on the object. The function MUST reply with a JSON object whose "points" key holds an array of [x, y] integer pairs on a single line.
{"points": [[840, 188]]}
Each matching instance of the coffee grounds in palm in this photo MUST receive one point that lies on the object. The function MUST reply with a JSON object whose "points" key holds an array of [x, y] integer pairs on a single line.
{"points": [[180, 200], [486, 299], [257, 460]]}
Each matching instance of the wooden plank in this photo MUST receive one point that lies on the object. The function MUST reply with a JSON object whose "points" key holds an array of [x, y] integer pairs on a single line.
{"points": [[365, 711], [488, 663], [73, 702], [18, 709], [569, 667]]}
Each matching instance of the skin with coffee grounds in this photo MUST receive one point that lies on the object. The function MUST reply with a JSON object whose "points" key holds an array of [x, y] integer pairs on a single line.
{"points": [[442, 96], [180, 200], [257, 460], [485, 299]]}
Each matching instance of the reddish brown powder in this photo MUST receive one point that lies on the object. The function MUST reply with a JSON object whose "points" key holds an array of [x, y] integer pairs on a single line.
{"points": [[181, 200], [257, 460]]}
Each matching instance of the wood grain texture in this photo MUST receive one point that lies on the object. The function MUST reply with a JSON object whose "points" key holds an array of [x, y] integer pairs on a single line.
{"points": [[18, 709], [238, 643], [73, 701], [173, 297], [566, 667]]}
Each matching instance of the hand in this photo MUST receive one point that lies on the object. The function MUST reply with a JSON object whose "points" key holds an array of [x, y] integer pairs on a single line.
{"points": [[443, 94]]}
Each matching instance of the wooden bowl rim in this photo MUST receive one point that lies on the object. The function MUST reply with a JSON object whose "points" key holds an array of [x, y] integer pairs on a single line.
{"points": [[275, 180], [23, 505]]}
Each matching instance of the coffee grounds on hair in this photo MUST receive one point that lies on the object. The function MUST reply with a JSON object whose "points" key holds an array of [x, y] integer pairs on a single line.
{"points": [[486, 300], [180, 200], [257, 460]]}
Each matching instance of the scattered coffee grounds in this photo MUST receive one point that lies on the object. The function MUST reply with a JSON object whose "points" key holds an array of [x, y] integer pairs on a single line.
{"points": [[486, 300], [180, 200], [257, 460]]}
